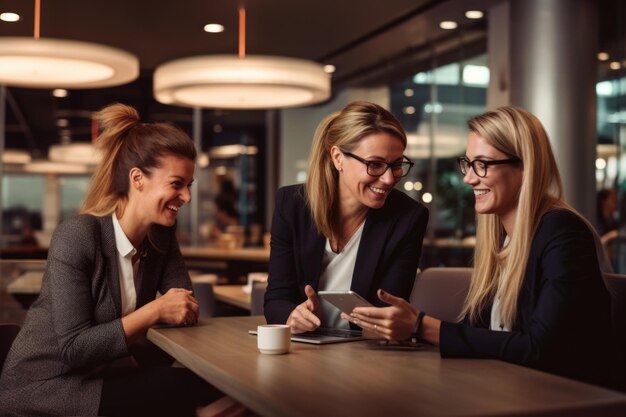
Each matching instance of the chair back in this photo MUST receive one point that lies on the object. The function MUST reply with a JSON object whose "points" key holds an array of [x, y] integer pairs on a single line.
{"points": [[441, 292], [8, 332], [617, 288], [257, 298], [203, 291]]}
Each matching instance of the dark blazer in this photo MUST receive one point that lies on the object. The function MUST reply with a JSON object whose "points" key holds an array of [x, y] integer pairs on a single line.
{"points": [[563, 323], [388, 255], [74, 328]]}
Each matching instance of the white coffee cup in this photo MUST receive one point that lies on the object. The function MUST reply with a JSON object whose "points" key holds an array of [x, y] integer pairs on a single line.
{"points": [[274, 339]]}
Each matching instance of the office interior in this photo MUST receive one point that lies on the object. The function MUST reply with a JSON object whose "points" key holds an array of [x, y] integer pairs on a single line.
{"points": [[563, 60]]}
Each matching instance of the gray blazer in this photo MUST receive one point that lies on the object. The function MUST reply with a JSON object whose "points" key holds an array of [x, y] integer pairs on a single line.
{"points": [[74, 329]]}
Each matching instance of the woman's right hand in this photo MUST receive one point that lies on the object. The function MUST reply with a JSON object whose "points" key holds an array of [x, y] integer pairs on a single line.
{"points": [[177, 306], [303, 318]]}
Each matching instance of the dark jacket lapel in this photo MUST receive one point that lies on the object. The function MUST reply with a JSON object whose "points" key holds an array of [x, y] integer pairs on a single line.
{"points": [[370, 249], [151, 264], [313, 258], [109, 250]]}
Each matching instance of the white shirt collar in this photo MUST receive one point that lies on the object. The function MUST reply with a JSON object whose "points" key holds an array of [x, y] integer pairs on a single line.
{"points": [[124, 247]]}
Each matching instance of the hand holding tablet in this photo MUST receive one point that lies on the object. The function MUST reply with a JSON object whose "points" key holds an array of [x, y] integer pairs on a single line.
{"points": [[346, 301]]}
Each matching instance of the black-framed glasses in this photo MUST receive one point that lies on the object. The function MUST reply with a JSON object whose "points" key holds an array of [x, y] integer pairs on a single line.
{"points": [[378, 168], [480, 166]]}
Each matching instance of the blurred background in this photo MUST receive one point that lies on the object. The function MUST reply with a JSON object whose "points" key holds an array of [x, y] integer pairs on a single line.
{"points": [[434, 64]]}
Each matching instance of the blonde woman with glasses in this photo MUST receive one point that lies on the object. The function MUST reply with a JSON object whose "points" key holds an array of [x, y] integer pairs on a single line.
{"points": [[347, 228], [537, 296]]}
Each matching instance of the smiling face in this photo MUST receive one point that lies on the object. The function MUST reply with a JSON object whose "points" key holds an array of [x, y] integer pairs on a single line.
{"points": [[498, 192], [165, 190], [358, 189]]}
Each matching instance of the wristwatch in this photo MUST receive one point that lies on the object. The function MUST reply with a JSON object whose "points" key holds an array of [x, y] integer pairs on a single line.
{"points": [[418, 324]]}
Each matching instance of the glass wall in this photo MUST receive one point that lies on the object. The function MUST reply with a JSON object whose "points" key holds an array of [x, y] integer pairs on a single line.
{"points": [[433, 106], [611, 134], [22, 202], [611, 168], [34, 203], [73, 191]]}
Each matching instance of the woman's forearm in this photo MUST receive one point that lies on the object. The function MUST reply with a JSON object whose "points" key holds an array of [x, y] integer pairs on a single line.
{"points": [[137, 323], [430, 330]]}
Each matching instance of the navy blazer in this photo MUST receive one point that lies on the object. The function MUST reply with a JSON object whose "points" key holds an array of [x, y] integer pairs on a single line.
{"points": [[388, 255], [563, 320], [74, 329]]}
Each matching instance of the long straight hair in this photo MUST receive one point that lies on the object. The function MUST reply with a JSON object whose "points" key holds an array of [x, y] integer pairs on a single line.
{"points": [[518, 134], [343, 129], [126, 143]]}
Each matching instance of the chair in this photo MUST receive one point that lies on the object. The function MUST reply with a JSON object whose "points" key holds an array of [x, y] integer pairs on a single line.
{"points": [[617, 287], [257, 298], [203, 291], [440, 292], [8, 332]]}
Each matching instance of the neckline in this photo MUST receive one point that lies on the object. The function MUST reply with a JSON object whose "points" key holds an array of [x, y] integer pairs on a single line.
{"points": [[357, 232]]}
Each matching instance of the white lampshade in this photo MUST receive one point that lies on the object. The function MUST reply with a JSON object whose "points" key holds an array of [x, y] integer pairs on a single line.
{"points": [[52, 63], [80, 153], [231, 151], [48, 167], [15, 156], [230, 82]]}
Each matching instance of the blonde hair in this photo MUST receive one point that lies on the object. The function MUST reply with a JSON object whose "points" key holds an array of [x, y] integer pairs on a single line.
{"points": [[126, 143], [518, 134], [343, 129]]}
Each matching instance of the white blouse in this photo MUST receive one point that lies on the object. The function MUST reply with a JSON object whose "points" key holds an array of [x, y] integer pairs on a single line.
{"points": [[128, 272], [337, 271], [497, 323]]}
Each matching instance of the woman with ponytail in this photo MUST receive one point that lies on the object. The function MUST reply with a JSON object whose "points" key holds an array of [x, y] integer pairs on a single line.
{"points": [[82, 348], [347, 228], [537, 296]]}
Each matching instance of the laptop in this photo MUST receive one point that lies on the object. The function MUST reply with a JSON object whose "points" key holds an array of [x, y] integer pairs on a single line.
{"points": [[325, 335]]}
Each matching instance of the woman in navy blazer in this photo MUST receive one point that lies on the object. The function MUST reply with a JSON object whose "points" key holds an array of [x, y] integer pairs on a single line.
{"points": [[82, 348], [537, 296], [347, 228]]}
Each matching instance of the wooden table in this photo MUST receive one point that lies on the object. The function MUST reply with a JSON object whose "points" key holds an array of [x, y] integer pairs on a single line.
{"points": [[235, 264], [219, 254], [233, 295], [369, 380], [27, 287], [27, 283]]}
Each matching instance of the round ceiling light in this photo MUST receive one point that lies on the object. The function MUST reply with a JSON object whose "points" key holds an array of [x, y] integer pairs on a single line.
{"points": [[48, 167], [14, 156], [81, 153], [53, 63], [230, 82]]}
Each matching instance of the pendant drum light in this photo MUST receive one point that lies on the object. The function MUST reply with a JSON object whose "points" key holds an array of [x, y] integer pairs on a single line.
{"points": [[60, 63], [241, 82]]}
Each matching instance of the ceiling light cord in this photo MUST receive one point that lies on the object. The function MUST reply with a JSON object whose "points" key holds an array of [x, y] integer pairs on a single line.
{"points": [[37, 18], [242, 33]]}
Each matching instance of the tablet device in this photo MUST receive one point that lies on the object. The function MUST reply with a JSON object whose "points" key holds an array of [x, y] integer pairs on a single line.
{"points": [[345, 301]]}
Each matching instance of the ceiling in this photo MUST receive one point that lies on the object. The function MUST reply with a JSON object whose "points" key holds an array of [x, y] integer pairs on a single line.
{"points": [[365, 39], [354, 35]]}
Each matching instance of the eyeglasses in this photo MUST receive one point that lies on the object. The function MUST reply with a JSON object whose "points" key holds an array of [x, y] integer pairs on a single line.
{"points": [[480, 166], [378, 168]]}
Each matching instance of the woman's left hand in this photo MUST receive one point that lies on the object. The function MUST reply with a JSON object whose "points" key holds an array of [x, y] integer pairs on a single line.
{"points": [[395, 322]]}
